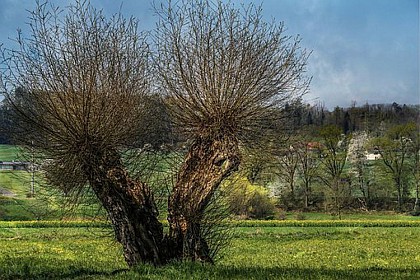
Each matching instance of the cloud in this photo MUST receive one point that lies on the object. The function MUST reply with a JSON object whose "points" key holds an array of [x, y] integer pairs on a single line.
{"points": [[331, 83], [362, 50], [371, 76]]}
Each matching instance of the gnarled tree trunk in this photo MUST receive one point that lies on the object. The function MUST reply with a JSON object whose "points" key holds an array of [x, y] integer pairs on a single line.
{"points": [[208, 162], [133, 213], [130, 207]]}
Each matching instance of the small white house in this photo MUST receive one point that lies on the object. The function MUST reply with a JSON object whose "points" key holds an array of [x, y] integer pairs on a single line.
{"points": [[373, 156]]}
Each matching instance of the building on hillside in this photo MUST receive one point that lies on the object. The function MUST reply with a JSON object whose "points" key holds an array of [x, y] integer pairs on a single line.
{"points": [[14, 165], [314, 146], [373, 156]]}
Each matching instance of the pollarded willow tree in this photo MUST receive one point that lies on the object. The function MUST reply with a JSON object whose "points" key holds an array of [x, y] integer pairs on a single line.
{"points": [[84, 82], [227, 74]]}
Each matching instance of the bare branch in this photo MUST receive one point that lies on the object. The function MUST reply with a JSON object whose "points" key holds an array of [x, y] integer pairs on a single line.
{"points": [[224, 69]]}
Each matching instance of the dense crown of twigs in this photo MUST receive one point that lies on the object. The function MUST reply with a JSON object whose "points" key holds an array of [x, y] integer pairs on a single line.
{"points": [[225, 70], [80, 85], [83, 78]]}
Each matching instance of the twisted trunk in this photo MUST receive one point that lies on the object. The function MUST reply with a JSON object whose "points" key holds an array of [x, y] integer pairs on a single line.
{"points": [[133, 213], [130, 207], [207, 163]]}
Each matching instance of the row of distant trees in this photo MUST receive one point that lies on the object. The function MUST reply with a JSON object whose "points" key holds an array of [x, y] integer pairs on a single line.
{"points": [[157, 130], [323, 168], [372, 118]]}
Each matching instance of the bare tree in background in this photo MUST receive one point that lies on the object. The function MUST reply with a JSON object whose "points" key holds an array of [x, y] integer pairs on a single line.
{"points": [[395, 148], [227, 74], [288, 169], [308, 164], [85, 78], [334, 157]]}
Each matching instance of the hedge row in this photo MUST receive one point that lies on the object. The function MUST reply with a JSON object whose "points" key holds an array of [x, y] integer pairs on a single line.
{"points": [[327, 223], [53, 224], [245, 223]]}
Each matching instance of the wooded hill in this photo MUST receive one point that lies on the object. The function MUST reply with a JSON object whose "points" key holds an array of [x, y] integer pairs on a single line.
{"points": [[372, 118]]}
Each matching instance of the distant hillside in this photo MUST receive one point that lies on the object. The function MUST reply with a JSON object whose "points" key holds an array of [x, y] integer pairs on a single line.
{"points": [[371, 118], [8, 153]]}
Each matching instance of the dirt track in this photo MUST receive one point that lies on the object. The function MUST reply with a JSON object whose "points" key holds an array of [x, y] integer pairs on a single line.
{"points": [[4, 192]]}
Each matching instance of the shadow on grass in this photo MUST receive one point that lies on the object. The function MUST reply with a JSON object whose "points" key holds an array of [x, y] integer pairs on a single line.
{"points": [[75, 273], [38, 268], [51, 268]]}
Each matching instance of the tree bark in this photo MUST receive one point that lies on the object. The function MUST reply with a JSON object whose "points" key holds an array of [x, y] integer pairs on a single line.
{"points": [[208, 162], [416, 209], [399, 193], [134, 215], [130, 207], [307, 191]]}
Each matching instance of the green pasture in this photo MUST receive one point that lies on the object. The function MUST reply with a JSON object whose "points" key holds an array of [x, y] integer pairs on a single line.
{"points": [[46, 204], [90, 252], [8, 153], [18, 203], [17, 182]]}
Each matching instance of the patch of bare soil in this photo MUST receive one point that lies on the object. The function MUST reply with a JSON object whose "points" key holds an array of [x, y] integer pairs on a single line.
{"points": [[4, 192]]}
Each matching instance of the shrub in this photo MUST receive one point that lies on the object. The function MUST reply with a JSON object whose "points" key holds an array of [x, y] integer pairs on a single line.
{"points": [[248, 200], [281, 214], [261, 207], [300, 216]]}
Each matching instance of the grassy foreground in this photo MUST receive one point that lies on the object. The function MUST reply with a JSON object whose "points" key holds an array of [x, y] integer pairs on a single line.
{"points": [[255, 253]]}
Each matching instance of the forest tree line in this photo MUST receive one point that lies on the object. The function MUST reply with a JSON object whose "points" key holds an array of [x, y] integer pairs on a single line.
{"points": [[372, 118], [367, 117]]}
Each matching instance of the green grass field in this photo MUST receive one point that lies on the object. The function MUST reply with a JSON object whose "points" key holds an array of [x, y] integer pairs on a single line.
{"points": [[255, 253], [371, 245], [47, 204], [8, 153]]}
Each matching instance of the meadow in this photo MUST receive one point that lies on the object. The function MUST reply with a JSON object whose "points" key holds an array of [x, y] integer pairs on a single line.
{"points": [[8, 152], [372, 245], [66, 251]]}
